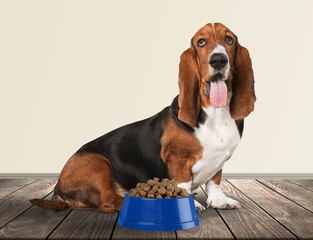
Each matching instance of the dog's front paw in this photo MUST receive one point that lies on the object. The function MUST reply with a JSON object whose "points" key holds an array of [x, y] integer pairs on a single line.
{"points": [[222, 202], [199, 206]]}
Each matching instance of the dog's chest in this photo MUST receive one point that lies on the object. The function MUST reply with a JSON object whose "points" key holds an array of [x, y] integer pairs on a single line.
{"points": [[219, 137]]}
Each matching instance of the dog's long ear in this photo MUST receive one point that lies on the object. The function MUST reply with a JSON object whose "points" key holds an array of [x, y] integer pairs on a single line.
{"points": [[242, 102], [189, 82]]}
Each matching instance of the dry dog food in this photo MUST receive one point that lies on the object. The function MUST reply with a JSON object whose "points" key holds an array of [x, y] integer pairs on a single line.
{"points": [[154, 188]]}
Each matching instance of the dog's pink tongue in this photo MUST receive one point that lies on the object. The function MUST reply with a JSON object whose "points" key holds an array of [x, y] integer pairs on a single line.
{"points": [[218, 93]]}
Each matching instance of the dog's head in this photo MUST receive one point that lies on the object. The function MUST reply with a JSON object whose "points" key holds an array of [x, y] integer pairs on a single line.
{"points": [[215, 71]]}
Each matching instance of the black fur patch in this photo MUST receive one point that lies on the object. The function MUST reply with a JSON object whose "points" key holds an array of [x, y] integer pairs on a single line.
{"points": [[240, 126], [134, 150], [174, 113]]}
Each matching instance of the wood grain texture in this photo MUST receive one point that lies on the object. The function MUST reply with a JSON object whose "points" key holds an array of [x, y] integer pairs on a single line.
{"points": [[16, 203], [308, 184], [8, 186], [297, 219], [34, 223], [211, 225], [265, 214], [121, 233], [86, 224], [300, 195], [250, 221]]}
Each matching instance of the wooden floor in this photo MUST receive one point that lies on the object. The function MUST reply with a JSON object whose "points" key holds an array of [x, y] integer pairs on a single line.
{"points": [[271, 209]]}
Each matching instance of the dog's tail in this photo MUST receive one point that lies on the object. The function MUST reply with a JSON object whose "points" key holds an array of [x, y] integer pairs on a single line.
{"points": [[49, 204]]}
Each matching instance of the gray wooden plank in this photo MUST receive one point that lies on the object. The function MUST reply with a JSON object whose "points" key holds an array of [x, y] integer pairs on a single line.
{"points": [[250, 221], [295, 218], [86, 224], [8, 186], [302, 196], [35, 223], [121, 233], [14, 204], [308, 184], [211, 224]]}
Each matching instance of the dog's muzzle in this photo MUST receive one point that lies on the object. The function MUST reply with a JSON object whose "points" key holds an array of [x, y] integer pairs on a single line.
{"points": [[218, 61]]}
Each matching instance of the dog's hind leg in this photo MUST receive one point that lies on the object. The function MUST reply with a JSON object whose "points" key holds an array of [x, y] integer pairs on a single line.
{"points": [[86, 181]]}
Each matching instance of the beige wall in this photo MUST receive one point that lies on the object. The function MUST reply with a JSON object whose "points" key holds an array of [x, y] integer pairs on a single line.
{"points": [[72, 70]]}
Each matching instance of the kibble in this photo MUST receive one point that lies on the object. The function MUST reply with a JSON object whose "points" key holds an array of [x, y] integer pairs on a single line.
{"points": [[151, 182], [154, 188], [146, 188]]}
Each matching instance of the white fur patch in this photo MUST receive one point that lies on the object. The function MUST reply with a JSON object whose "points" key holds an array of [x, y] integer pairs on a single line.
{"points": [[219, 137], [185, 185], [217, 199]]}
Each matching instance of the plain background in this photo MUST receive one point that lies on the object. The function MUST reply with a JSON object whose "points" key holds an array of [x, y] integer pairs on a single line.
{"points": [[71, 71]]}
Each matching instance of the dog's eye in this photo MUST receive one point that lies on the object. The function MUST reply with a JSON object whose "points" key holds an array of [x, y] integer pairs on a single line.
{"points": [[201, 42], [229, 40]]}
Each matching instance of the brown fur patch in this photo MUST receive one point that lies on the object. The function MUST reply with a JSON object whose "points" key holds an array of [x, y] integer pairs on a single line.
{"points": [[189, 98], [86, 182], [217, 177], [242, 102], [180, 150]]}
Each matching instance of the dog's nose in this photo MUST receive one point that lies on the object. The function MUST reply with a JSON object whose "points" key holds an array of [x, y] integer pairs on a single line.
{"points": [[218, 61]]}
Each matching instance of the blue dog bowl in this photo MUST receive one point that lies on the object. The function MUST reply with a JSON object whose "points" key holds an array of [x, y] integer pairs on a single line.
{"points": [[153, 214]]}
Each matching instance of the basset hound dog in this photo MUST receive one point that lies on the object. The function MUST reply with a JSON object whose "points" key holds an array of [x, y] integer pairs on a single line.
{"points": [[188, 141]]}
